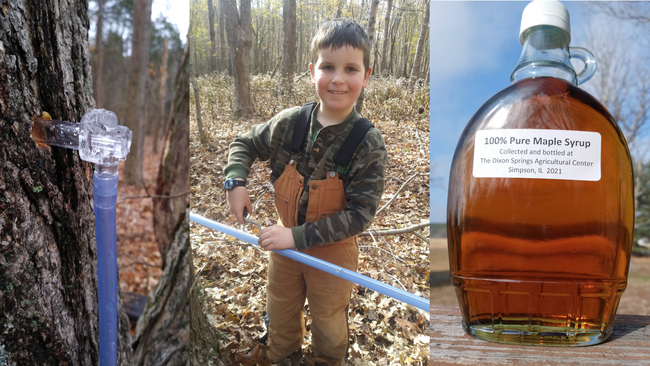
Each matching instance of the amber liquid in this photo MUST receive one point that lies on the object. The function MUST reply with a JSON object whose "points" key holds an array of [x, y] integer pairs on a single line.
{"points": [[541, 261]]}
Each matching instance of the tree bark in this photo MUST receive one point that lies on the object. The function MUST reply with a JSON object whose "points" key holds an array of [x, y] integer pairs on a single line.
{"points": [[163, 332], [173, 175], [288, 47], [99, 55], [339, 8], [384, 49], [392, 42], [226, 65], [161, 121], [372, 18], [135, 107], [240, 32], [197, 98], [419, 52], [48, 281], [213, 39]]}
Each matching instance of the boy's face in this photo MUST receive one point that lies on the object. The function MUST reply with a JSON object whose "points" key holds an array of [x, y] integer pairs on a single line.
{"points": [[338, 76]]}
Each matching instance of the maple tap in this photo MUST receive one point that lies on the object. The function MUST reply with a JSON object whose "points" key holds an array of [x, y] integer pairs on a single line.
{"points": [[101, 141]]}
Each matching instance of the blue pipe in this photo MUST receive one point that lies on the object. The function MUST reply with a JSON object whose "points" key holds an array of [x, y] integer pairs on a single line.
{"points": [[105, 196], [330, 268]]}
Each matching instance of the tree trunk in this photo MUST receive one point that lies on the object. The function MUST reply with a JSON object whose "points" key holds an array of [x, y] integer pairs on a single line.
{"points": [[213, 39], [419, 52], [384, 49], [240, 32], [288, 47], [161, 121], [162, 335], [173, 175], [225, 58], [197, 98], [48, 281], [339, 8], [99, 55], [135, 106], [372, 18], [392, 42]]}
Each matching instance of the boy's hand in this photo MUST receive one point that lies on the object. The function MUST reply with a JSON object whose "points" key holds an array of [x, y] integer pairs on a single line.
{"points": [[238, 199], [276, 237]]}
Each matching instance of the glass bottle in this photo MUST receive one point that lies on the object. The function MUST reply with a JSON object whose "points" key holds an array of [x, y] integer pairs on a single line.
{"points": [[540, 210]]}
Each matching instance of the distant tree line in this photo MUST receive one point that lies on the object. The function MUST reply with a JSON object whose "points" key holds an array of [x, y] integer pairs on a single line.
{"points": [[115, 82], [395, 36]]}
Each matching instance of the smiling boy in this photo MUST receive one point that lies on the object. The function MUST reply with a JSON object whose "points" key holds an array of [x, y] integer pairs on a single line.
{"points": [[323, 204]]}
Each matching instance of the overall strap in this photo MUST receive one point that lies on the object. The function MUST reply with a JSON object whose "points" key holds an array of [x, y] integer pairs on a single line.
{"points": [[301, 126], [344, 155]]}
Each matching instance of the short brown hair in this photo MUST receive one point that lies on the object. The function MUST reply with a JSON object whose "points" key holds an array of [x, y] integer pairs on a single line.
{"points": [[341, 32]]}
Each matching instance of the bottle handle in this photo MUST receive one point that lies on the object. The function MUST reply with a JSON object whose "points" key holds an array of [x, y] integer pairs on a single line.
{"points": [[589, 60]]}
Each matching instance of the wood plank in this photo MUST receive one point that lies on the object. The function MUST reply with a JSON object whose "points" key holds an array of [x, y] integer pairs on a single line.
{"points": [[629, 344]]}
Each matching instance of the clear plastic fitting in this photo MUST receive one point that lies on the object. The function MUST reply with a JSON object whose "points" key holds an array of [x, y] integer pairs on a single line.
{"points": [[98, 137]]}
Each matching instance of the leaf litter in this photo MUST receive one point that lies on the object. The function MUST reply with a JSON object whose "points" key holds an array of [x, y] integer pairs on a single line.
{"points": [[232, 273]]}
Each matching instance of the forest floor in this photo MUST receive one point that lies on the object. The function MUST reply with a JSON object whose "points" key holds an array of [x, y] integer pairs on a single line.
{"points": [[232, 274]]}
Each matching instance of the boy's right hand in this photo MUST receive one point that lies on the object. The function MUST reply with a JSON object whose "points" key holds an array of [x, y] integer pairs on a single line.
{"points": [[237, 199]]}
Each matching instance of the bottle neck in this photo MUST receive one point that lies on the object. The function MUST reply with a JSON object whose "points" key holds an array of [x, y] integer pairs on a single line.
{"points": [[545, 53]]}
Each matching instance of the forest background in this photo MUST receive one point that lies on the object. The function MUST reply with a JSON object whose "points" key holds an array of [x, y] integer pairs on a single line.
{"points": [[243, 74], [141, 97]]}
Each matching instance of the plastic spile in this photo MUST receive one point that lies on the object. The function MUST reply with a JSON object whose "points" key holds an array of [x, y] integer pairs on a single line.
{"points": [[102, 141], [98, 137]]}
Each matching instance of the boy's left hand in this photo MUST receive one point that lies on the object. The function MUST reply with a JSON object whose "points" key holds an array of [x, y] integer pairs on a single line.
{"points": [[276, 237]]}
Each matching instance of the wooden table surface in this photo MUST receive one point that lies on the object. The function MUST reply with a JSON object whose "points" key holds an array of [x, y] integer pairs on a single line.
{"points": [[629, 344]]}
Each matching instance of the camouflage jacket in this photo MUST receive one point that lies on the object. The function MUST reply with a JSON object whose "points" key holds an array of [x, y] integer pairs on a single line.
{"points": [[363, 178]]}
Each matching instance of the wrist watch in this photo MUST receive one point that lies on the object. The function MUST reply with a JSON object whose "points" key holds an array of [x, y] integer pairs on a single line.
{"points": [[230, 183]]}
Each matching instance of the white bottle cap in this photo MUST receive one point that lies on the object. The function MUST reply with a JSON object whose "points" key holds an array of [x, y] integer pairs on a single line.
{"points": [[545, 12]]}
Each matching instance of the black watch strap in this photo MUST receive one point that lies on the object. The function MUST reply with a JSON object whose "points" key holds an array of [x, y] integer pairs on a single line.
{"points": [[232, 183]]}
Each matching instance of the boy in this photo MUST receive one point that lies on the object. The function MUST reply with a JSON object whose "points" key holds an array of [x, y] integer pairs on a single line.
{"points": [[322, 206]]}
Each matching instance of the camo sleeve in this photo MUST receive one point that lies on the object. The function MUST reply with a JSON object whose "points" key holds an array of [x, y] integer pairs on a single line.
{"points": [[364, 188], [263, 142]]}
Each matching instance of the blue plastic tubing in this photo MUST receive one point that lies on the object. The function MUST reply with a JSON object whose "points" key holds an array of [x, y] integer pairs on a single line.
{"points": [[105, 195], [330, 268]]}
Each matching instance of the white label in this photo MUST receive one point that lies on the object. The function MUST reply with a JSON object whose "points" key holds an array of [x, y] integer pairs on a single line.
{"points": [[543, 154]]}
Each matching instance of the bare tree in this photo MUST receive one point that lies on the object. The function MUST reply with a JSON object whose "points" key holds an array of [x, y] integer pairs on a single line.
{"points": [[622, 84], [213, 39], [637, 12], [197, 98], [419, 52], [288, 46], [240, 32], [225, 60], [372, 19], [136, 88], [162, 89], [384, 48], [48, 282]]}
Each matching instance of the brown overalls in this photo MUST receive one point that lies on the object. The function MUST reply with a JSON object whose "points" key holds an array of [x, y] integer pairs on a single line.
{"points": [[289, 281]]}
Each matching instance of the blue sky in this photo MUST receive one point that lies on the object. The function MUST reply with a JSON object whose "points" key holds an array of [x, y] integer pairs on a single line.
{"points": [[474, 48]]}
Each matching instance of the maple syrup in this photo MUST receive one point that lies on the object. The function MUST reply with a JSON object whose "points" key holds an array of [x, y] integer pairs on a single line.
{"points": [[540, 215]]}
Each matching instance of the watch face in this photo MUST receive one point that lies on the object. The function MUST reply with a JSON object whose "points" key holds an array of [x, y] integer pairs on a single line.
{"points": [[228, 184]]}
